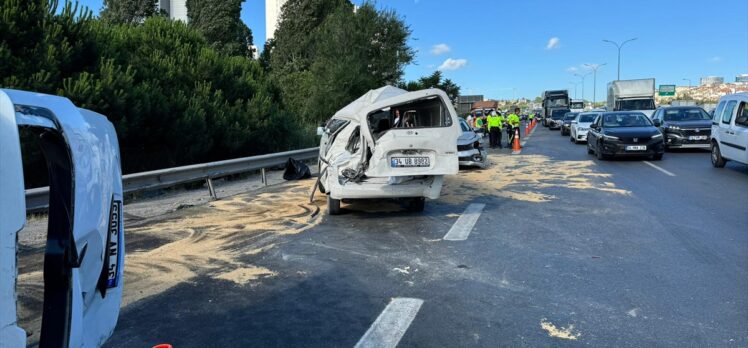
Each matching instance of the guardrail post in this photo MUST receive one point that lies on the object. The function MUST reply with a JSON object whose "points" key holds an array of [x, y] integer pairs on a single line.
{"points": [[264, 177], [212, 191]]}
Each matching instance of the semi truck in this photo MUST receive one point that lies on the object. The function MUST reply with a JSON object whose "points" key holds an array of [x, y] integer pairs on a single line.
{"points": [[577, 105], [552, 100], [632, 95]]}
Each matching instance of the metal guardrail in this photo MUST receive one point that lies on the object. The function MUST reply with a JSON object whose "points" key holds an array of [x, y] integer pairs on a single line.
{"points": [[37, 199]]}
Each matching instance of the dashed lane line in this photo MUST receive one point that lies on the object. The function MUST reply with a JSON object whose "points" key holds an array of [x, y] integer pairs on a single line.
{"points": [[391, 324], [465, 223], [659, 168]]}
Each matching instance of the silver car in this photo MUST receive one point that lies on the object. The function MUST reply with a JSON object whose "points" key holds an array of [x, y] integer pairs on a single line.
{"points": [[470, 148]]}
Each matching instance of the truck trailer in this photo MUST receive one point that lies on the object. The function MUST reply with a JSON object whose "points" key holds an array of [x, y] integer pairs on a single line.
{"points": [[632, 95]]}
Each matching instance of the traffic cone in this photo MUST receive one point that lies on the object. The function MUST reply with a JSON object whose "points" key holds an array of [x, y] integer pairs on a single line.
{"points": [[527, 129], [515, 144]]}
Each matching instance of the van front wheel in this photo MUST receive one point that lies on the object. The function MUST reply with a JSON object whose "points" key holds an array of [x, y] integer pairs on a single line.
{"points": [[717, 160]]}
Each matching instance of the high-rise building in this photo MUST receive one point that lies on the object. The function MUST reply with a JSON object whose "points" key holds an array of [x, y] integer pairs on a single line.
{"points": [[712, 80], [742, 78], [177, 9], [272, 14]]}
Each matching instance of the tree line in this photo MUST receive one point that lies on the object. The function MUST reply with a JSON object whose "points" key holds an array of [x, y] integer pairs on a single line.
{"points": [[181, 93]]}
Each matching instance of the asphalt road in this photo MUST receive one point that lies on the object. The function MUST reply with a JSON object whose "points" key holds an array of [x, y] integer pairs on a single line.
{"points": [[566, 251]]}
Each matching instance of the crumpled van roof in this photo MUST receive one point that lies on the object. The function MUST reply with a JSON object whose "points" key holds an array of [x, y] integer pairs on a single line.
{"points": [[385, 96]]}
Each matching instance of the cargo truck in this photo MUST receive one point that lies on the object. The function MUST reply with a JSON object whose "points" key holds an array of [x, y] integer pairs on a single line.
{"points": [[632, 95], [552, 100]]}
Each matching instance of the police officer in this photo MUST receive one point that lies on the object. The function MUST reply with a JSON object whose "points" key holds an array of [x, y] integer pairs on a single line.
{"points": [[514, 123], [494, 129]]}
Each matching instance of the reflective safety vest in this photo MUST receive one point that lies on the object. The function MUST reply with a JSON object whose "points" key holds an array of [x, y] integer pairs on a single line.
{"points": [[494, 121], [479, 122], [531, 116], [513, 120]]}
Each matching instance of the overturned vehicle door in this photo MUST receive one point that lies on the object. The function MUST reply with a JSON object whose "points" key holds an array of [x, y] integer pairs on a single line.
{"points": [[389, 143], [83, 259]]}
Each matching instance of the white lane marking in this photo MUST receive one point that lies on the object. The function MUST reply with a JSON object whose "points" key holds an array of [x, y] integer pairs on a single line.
{"points": [[659, 168], [464, 224], [391, 324]]}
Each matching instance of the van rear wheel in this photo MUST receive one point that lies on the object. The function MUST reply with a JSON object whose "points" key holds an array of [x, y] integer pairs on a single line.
{"points": [[416, 204], [333, 206]]}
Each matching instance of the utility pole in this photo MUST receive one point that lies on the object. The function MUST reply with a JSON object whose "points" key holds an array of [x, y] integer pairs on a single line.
{"points": [[619, 46], [594, 68]]}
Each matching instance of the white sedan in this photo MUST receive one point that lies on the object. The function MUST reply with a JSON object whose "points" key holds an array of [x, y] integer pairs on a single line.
{"points": [[581, 125]]}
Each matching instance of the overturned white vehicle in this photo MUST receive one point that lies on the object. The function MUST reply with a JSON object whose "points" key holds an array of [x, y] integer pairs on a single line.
{"points": [[389, 143]]}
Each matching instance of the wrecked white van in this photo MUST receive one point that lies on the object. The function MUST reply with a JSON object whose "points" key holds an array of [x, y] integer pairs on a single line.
{"points": [[389, 143]]}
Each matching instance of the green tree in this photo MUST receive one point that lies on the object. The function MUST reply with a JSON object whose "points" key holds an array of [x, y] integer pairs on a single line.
{"points": [[128, 11], [219, 21], [435, 80], [326, 54]]}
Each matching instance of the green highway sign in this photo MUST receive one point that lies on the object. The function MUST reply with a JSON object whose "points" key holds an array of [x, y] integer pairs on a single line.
{"points": [[667, 90]]}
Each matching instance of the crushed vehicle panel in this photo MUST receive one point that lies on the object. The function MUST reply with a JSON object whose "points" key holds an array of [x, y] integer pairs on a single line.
{"points": [[390, 143]]}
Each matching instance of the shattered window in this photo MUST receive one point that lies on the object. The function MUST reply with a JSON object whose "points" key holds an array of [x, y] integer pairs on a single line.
{"points": [[423, 113]]}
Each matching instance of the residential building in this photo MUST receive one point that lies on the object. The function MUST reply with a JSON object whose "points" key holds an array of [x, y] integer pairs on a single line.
{"points": [[272, 15], [177, 9]]}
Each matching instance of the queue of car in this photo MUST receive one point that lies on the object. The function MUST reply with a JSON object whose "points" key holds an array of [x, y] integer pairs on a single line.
{"points": [[609, 134]]}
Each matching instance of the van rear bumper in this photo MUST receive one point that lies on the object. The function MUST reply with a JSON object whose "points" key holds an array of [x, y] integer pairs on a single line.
{"points": [[428, 187]]}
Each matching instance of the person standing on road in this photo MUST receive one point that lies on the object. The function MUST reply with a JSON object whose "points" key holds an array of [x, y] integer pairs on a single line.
{"points": [[514, 124], [470, 120], [494, 128]]}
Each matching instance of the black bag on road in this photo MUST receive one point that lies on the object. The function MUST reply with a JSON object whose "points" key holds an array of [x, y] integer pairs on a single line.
{"points": [[296, 170]]}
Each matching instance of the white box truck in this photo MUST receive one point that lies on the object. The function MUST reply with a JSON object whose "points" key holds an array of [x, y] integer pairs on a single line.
{"points": [[632, 95]]}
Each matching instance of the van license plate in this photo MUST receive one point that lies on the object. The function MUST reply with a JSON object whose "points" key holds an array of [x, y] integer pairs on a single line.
{"points": [[636, 148], [397, 162]]}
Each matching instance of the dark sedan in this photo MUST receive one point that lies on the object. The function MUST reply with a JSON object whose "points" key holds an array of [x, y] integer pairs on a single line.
{"points": [[684, 126], [625, 133], [557, 118], [566, 125]]}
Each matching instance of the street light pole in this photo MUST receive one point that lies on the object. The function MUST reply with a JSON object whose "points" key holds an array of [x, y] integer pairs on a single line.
{"points": [[619, 46], [582, 77], [594, 68], [575, 88]]}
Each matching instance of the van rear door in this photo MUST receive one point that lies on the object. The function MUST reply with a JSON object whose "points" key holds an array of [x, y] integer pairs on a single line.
{"points": [[413, 138]]}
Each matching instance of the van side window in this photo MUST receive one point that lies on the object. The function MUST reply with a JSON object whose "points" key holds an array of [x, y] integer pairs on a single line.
{"points": [[718, 112], [727, 115], [742, 119]]}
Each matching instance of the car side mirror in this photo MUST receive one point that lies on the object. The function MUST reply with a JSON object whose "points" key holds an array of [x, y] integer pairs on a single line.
{"points": [[657, 123], [320, 131]]}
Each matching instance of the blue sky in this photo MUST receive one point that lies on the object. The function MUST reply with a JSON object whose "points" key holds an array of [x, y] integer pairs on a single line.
{"points": [[502, 48]]}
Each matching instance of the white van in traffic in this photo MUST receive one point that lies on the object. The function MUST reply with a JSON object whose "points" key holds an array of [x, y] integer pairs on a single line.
{"points": [[729, 140]]}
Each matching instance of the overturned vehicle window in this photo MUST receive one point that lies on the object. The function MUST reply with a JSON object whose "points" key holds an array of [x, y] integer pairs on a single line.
{"points": [[423, 113]]}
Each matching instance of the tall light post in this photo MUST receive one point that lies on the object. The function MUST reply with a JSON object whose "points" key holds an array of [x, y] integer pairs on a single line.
{"points": [[575, 84], [582, 77], [594, 68], [619, 46]]}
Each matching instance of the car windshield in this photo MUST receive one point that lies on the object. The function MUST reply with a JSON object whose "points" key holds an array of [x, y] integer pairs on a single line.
{"points": [[691, 114], [636, 104], [626, 120], [557, 102], [570, 116], [587, 118]]}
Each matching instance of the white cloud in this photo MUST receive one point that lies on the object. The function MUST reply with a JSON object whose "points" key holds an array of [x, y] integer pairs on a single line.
{"points": [[715, 59], [572, 69], [440, 49], [553, 43], [452, 64]]}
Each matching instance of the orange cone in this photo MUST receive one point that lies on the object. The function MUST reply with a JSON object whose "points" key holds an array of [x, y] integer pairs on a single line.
{"points": [[515, 144]]}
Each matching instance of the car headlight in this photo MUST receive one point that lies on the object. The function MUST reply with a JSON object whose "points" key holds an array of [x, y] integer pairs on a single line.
{"points": [[610, 137], [657, 136], [673, 128]]}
